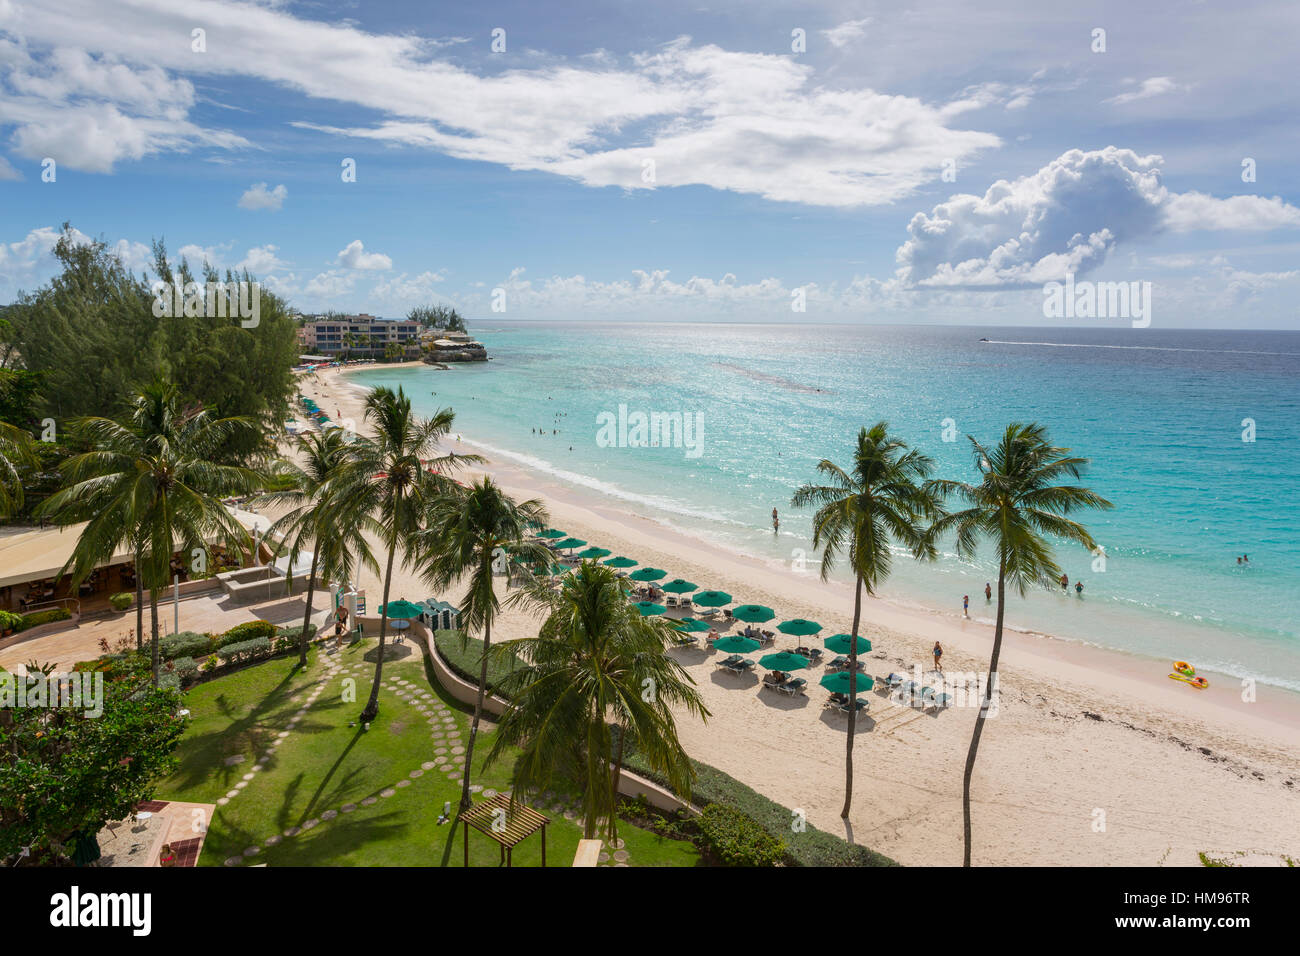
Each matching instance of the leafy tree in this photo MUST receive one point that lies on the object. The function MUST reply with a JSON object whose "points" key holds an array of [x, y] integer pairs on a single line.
{"points": [[882, 498], [1017, 505], [442, 317]]}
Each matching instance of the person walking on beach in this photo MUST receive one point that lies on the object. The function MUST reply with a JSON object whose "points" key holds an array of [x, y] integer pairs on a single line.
{"points": [[988, 591], [938, 653], [1065, 581], [965, 605]]}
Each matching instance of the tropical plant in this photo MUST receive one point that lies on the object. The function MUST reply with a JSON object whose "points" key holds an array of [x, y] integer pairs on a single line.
{"points": [[318, 517], [1017, 505], [391, 477], [151, 482], [882, 498], [473, 533], [595, 679], [15, 450]]}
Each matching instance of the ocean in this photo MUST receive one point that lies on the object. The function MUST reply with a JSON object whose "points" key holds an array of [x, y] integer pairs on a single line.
{"points": [[1162, 414]]}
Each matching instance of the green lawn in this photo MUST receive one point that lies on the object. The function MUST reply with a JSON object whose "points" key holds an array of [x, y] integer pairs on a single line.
{"points": [[324, 765]]}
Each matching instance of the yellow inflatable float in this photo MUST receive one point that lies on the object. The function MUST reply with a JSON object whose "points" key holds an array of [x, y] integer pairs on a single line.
{"points": [[1186, 673]]}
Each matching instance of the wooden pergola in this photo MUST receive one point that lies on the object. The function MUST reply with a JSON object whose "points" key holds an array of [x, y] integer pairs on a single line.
{"points": [[508, 825]]}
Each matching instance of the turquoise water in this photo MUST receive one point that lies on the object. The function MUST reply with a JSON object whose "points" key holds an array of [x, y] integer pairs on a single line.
{"points": [[1159, 412]]}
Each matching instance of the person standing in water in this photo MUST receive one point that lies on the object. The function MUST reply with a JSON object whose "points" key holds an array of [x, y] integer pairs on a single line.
{"points": [[1065, 581], [1078, 588], [965, 605], [988, 591], [776, 521]]}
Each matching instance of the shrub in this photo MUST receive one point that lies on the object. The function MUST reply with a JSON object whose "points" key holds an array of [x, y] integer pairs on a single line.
{"points": [[184, 644], [245, 650], [37, 618], [246, 632], [286, 639], [121, 601], [737, 839], [186, 668], [10, 621], [209, 664]]}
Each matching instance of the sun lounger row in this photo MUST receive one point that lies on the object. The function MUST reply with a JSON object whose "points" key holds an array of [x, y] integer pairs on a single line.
{"points": [[778, 680], [736, 664], [912, 694], [840, 702]]}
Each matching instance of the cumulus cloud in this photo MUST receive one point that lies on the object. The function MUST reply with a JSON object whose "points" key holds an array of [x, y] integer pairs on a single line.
{"points": [[260, 260], [846, 32], [1153, 86], [258, 196], [1066, 217], [354, 256]]}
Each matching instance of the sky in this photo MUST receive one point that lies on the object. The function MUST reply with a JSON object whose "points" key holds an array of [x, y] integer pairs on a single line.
{"points": [[933, 162]]}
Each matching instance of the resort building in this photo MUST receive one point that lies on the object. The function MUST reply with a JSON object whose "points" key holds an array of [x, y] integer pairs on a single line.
{"points": [[363, 335]]}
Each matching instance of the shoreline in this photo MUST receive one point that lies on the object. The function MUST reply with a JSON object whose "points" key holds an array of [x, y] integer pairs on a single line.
{"points": [[1080, 729]]}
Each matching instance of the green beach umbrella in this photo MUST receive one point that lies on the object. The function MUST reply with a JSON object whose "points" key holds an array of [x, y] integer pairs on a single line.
{"points": [[711, 599], [649, 608], [799, 627], [570, 543], [552, 533], [591, 554], [678, 586], [647, 574], [735, 644], [839, 683], [401, 609], [619, 562], [692, 624], [753, 613], [841, 643], [782, 661]]}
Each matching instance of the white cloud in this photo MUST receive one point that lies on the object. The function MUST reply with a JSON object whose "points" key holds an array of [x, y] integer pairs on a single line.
{"points": [[354, 256], [7, 171], [1153, 86], [1064, 218], [260, 260], [410, 290], [846, 32], [258, 196]]}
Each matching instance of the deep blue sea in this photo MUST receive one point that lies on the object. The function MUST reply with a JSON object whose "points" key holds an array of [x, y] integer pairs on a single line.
{"points": [[1159, 412]]}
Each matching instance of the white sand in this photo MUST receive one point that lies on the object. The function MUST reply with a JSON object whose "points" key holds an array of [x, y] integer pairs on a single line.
{"points": [[1166, 771]]}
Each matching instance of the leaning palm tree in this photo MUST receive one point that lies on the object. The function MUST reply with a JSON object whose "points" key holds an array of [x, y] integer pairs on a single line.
{"points": [[595, 665], [152, 482], [880, 500], [390, 477], [15, 450], [471, 534], [318, 518], [1017, 504]]}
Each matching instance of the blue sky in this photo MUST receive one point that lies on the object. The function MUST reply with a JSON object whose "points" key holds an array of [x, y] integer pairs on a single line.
{"points": [[933, 161]]}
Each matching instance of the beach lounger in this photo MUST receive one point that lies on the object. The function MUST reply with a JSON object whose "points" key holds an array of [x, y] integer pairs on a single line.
{"points": [[774, 679], [686, 604], [686, 640], [892, 681], [728, 660], [942, 701], [727, 614], [841, 703], [670, 601], [793, 686]]}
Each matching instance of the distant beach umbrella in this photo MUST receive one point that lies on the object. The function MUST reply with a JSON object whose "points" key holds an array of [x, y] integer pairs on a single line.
{"points": [[693, 624], [711, 599], [620, 562], [591, 554], [552, 533], [783, 661], [647, 574], [839, 683], [799, 627], [753, 613], [649, 608], [735, 644], [841, 643], [401, 609], [570, 543], [678, 586]]}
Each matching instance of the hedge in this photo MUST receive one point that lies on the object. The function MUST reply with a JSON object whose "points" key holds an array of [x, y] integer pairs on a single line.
{"points": [[737, 839], [286, 638], [245, 632], [184, 644], [245, 650], [186, 668], [808, 847], [37, 618]]}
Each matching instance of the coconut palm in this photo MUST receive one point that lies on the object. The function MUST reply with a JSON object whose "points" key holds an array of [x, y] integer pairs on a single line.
{"points": [[390, 477], [16, 448], [595, 665], [1018, 505], [318, 517], [881, 499], [151, 481], [470, 534]]}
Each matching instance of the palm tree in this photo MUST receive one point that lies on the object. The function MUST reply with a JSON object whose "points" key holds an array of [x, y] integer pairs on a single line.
{"points": [[390, 477], [880, 499], [15, 449], [468, 532], [318, 517], [1016, 503], [151, 481], [594, 660]]}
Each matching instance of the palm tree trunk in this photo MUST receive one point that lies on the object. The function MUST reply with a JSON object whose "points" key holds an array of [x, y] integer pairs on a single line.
{"points": [[372, 705], [613, 784], [478, 712], [853, 699], [153, 640], [306, 614], [979, 719], [139, 605]]}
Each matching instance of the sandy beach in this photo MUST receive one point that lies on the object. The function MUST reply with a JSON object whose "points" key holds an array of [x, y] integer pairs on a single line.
{"points": [[1094, 757]]}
